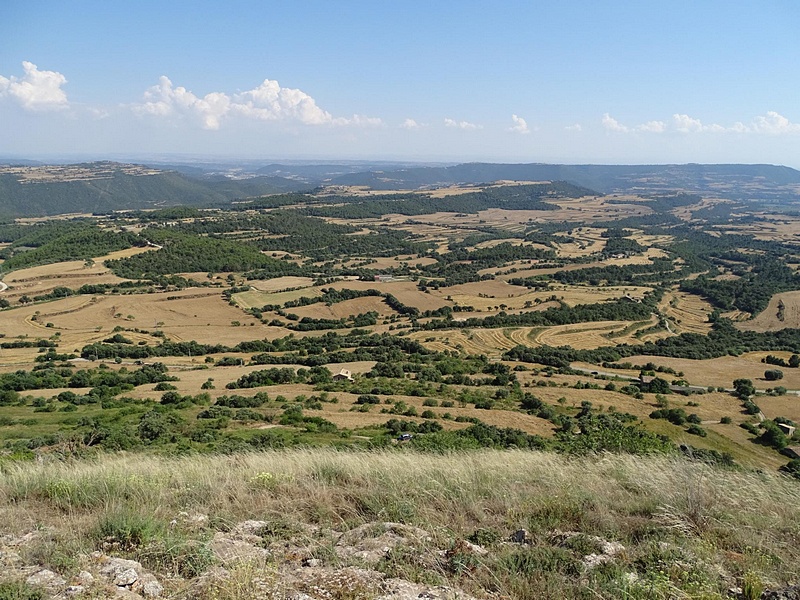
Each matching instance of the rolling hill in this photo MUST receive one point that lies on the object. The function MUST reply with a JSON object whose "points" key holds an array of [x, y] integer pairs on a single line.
{"points": [[105, 186], [740, 182]]}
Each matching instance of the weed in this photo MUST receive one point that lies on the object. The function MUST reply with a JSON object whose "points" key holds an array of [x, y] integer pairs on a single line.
{"points": [[752, 586], [126, 529], [177, 555], [18, 590]]}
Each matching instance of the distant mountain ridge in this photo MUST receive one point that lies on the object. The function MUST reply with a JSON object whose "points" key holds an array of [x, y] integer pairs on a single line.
{"points": [[97, 187], [36, 189], [765, 182]]}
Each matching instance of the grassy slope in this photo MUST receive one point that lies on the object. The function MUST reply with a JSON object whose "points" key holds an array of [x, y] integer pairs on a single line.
{"points": [[689, 531]]}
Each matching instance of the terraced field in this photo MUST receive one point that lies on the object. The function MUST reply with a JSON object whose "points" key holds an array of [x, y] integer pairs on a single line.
{"points": [[584, 336], [686, 312]]}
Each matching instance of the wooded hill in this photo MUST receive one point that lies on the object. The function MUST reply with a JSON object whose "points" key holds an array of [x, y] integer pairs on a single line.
{"points": [[756, 182], [104, 186]]}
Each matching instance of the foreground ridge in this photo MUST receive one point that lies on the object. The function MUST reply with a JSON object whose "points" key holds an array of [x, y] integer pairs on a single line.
{"points": [[327, 524]]}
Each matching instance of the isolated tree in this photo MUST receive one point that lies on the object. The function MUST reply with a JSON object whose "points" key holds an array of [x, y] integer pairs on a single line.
{"points": [[773, 374]]}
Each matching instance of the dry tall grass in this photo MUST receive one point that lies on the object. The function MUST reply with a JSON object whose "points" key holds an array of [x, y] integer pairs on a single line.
{"points": [[718, 524]]}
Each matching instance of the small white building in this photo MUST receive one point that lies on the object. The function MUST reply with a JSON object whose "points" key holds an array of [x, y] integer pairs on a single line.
{"points": [[343, 375]]}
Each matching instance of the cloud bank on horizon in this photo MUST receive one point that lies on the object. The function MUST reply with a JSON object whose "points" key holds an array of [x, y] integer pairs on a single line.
{"points": [[40, 92]]}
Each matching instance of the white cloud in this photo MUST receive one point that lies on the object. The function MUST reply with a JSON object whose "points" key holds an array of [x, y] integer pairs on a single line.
{"points": [[652, 127], [611, 124], [410, 124], [774, 123], [687, 124], [461, 124], [267, 102], [358, 120], [520, 125], [575, 127], [36, 90]]}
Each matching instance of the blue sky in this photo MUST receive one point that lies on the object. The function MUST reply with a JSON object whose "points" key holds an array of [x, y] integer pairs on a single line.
{"points": [[601, 82]]}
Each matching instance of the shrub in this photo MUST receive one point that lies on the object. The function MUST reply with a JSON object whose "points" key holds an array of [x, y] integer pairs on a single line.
{"points": [[368, 399], [695, 429], [164, 387], [792, 468]]}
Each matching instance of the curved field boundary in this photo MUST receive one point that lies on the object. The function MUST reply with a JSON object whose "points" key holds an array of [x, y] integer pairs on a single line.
{"points": [[582, 336]]}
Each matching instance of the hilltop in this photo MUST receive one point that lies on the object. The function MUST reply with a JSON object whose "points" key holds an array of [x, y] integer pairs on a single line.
{"points": [[32, 189], [755, 182], [98, 187], [396, 525]]}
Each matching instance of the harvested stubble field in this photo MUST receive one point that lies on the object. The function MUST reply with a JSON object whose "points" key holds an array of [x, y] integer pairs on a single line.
{"points": [[342, 310], [193, 314], [720, 372], [687, 312], [512, 241], [255, 298], [597, 208], [515, 298], [281, 283], [405, 291], [35, 281], [783, 311], [586, 336], [772, 227], [491, 342], [780, 406], [390, 262]]}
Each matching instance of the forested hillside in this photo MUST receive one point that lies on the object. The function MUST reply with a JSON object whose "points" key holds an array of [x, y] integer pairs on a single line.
{"points": [[103, 187]]}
